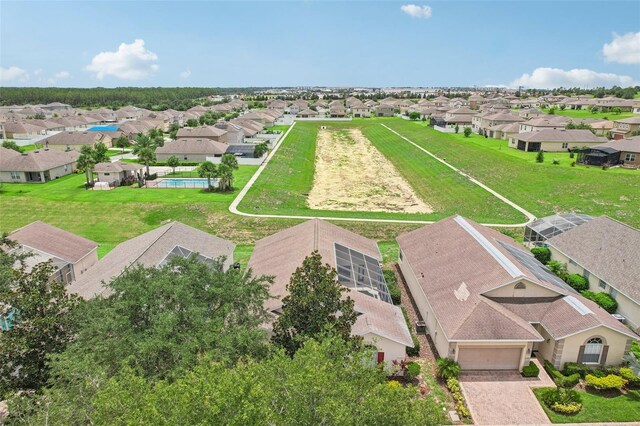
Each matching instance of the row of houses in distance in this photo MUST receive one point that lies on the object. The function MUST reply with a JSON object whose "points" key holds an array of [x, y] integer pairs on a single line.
{"points": [[486, 301]]}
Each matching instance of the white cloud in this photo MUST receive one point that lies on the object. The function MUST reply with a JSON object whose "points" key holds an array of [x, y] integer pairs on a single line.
{"points": [[37, 72], [623, 49], [62, 75], [130, 62], [549, 78], [416, 11], [185, 74], [13, 74]]}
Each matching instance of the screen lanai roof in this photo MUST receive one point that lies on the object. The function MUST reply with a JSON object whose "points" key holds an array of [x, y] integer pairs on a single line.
{"points": [[558, 223], [360, 272]]}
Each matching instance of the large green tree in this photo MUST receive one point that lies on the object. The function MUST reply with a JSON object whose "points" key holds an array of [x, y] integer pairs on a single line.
{"points": [[207, 170], [316, 302], [99, 153], [173, 162], [41, 326]]}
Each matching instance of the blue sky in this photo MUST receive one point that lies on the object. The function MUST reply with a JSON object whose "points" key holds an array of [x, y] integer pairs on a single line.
{"points": [[327, 43]]}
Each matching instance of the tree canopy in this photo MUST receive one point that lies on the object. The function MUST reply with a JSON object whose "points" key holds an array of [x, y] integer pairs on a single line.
{"points": [[315, 304]]}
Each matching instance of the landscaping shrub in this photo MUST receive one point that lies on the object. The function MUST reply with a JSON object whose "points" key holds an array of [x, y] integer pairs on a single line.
{"points": [[560, 379], [605, 301], [627, 374], [392, 285], [576, 367], [453, 384], [415, 350], [555, 162], [413, 369], [578, 282], [530, 370], [605, 383], [447, 368], [540, 157], [558, 268], [635, 349], [543, 254], [564, 401]]}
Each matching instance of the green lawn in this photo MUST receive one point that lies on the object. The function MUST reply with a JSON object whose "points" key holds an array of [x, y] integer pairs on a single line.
{"points": [[597, 408], [282, 127], [543, 189], [585, 113], [283, 186]]}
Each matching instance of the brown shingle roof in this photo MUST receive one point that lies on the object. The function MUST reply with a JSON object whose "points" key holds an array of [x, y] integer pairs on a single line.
{"points": [[58, 242], [74, 138], [117, 166], [193, 146], [561, 135], [35, 161], [204, 132], [150, 249]]}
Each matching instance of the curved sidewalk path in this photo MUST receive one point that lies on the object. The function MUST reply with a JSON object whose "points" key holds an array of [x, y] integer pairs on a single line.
{"points": [[233, 208]]}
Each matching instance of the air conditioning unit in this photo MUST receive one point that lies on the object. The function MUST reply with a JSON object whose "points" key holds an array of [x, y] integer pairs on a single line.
{"points": [[421, 327], [620, 318]]}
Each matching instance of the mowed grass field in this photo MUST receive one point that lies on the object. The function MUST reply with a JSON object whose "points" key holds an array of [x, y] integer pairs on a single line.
{"points": [[542, 189], [283, 186]]}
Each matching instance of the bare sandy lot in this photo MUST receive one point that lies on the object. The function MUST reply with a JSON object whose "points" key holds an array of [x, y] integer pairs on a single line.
{"points": [[351, 174]]}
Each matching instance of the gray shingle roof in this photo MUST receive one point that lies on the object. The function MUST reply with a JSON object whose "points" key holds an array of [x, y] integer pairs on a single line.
{"points": [[35, 161]]}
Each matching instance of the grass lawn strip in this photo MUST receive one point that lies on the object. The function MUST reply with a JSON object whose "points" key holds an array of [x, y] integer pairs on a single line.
{"points": [[598, 408]]}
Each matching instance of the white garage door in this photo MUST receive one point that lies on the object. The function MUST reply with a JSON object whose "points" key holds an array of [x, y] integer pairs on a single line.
{"points": [[497, 358]]}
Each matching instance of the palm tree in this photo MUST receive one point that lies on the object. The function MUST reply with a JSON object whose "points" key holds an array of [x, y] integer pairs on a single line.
{"points": [[141, 142], [207, 170], [225, 174], [147, 156], [85, 163], [230, 160]]}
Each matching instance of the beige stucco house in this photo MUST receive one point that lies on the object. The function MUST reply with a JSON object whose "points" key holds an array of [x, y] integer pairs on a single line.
{"points": [[37, 166], [357, 262], [490, 305], [607, 253]]}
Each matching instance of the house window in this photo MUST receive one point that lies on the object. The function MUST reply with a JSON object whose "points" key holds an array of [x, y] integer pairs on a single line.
{"points": [[565, 145], [15, 175], [602, 284], [586, 274], [592, 351], [185, 157], [630, 157], [107, 174], [521, 286], [613, 293], [572, 262]]}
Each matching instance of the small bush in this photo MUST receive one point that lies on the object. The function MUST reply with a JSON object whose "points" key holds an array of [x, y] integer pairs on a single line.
{"points": [[413, 370], [530, 370], [605, 383], [575, 367], [447, 368], [462, 410], [627, 374], [569, 409], [558, 268], [457, 396], [556, 162], [394, 384], [540, 157], [564, 401], [392, 285], [578, 282], [605, 301], [571, 154], [543, 254], [453, 385], [560, 379]]}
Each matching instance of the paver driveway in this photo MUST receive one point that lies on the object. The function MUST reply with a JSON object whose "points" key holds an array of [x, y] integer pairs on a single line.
{"points": [[504, 397]]}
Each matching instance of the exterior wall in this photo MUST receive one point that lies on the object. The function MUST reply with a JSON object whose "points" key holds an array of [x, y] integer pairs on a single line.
{"points": [[62, 171], [557, 146], [531, 290], [626, 307], [81, 266], [392, 350], [636, 155], [617, 345], [6, 177], [545, 349], [192, 158], [109, 176]]}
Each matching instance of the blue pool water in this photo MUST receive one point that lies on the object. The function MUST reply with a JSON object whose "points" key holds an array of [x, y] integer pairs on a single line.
{"points": [[184, 183], [103, 129]]}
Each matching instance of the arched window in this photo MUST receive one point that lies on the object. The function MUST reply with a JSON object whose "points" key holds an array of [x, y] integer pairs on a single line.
{"points": [[520, 286], [592, 351]]}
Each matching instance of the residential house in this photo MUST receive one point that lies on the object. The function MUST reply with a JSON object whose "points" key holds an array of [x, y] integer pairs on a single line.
{"points": [[618, 151], [337, 111], [37, 166], [607, 253], [357, 261], [384, 110], [192, 150], [23, 130], [555, 140], [234, 135], [490, 305], [261, 117], [544, 122], [117, 172], [486, 121], [307, 113], [66, 141], [623, 127], [152, 249], [203, 132], [70, 255]]}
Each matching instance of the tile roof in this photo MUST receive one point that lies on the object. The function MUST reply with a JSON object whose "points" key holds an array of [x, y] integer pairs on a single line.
{"points": [[149, 249], [55, 241], [606, 248]]}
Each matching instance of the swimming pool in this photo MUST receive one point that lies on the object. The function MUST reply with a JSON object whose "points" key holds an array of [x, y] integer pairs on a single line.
{"points": [[103, 129], [183, 183]]}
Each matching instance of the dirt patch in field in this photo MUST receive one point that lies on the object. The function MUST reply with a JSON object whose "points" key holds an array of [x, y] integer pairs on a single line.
{"points": [[351, 174]]}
